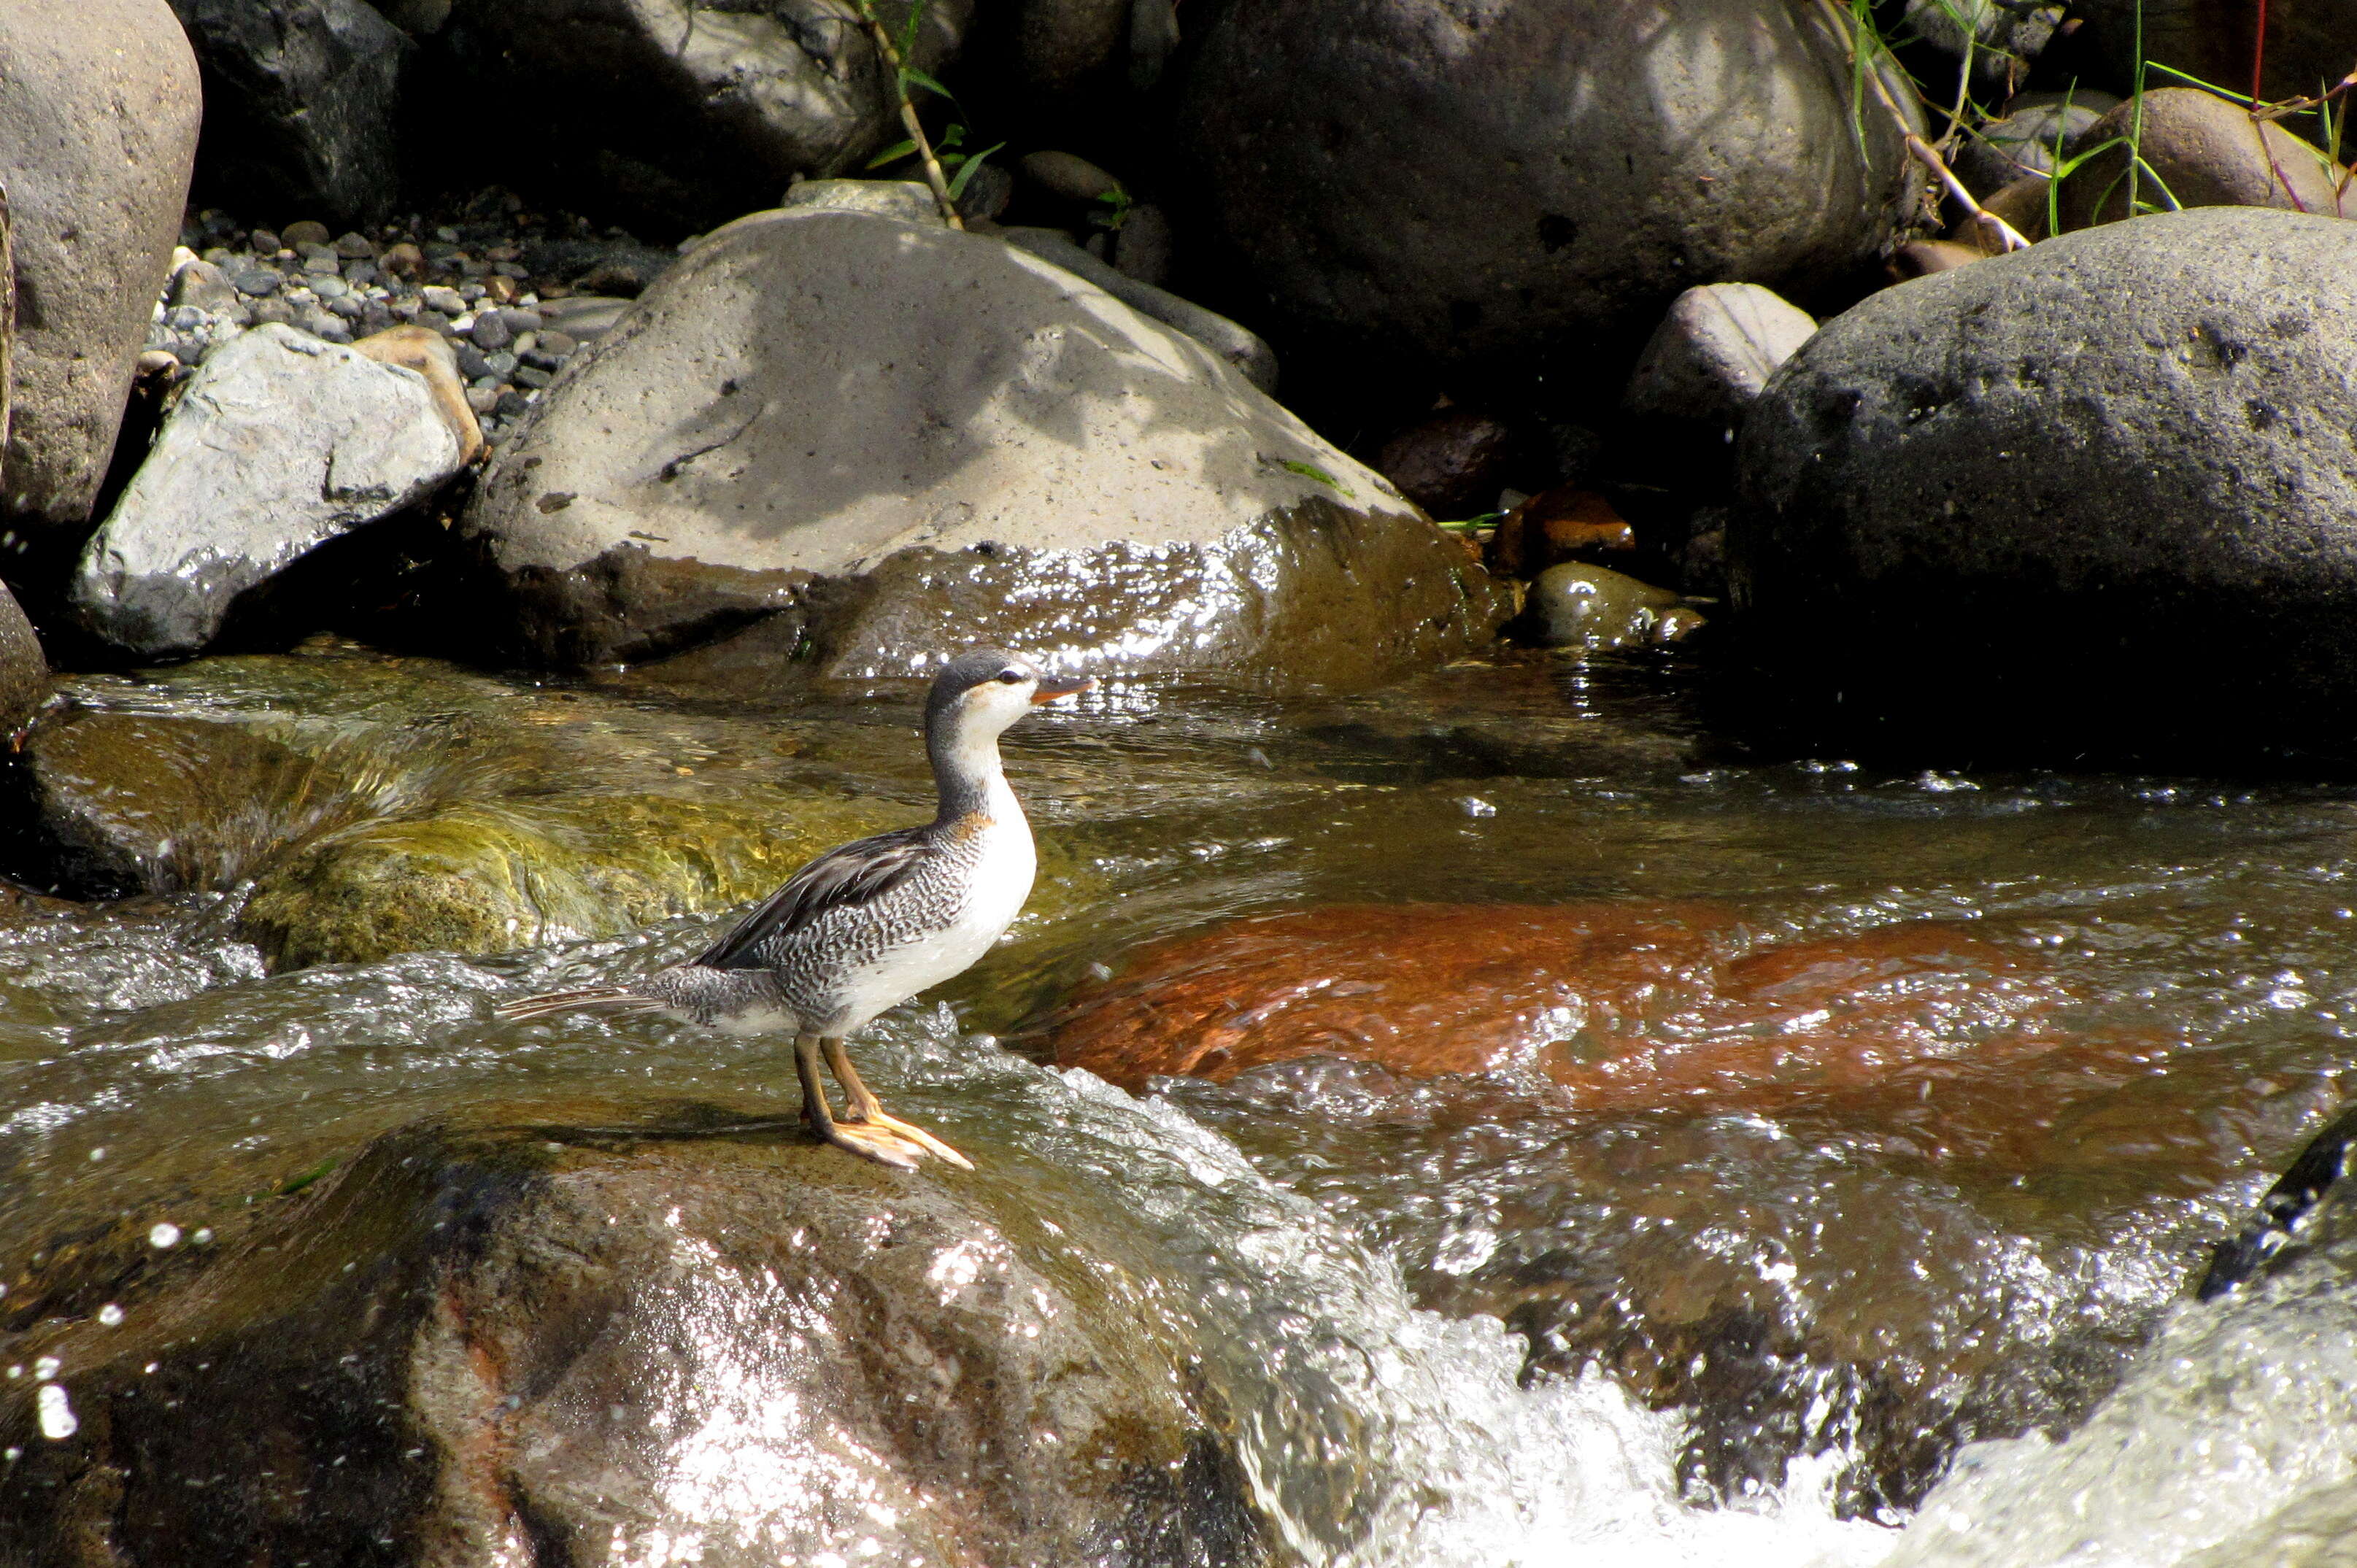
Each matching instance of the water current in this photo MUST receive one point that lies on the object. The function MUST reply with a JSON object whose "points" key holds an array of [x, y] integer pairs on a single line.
{"points": [[1492, 1328]]}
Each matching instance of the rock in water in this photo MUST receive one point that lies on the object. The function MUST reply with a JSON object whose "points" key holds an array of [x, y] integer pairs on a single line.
{"points": [[1579, 605], [1505, 186], [879, 439], [684, 1333], [299, 99], [687, 113], [2095, 495], [98, 132], [281, 442], [1624, 1005]]}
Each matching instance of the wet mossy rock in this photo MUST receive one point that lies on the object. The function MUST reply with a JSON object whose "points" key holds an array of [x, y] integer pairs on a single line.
{"points": [[886, 439], [1495, 188], [573, 1331], [2096, 496], [411, 808]]}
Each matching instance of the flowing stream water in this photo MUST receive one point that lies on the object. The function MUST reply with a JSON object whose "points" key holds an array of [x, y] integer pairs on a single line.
{"points": [[1461, 1296]]}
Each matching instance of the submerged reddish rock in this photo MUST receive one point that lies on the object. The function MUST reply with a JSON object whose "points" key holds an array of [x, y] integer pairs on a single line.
{"points": [[1623, 1004]]}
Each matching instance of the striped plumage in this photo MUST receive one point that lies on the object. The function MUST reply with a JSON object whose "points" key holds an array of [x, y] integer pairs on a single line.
{"points": [[867, 926]]}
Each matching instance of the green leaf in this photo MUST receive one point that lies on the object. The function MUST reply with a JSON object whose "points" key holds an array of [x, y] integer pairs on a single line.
{"points": [[912, 74], [296, 1184], [971, 163], [1311, 471], [893, 153]]}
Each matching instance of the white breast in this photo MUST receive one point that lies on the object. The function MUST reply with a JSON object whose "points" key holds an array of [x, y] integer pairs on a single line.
{"points": [[1000, 883]]}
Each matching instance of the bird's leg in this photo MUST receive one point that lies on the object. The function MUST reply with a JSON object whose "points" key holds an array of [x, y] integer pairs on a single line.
{"points": [[867, 1111], [869, 1143]]}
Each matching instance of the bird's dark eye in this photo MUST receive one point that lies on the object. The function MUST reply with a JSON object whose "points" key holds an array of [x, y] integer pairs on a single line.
{"points": [[1011, 677]]}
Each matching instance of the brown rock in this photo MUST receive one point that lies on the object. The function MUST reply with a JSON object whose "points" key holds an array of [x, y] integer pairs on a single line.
{"points": [[307, 233], [2021, 203], [99, 106], [1452, 465], [1624, 1005], [1921, 258], [1068, 175], [2204, 152], [1562, 524], [427, 352], [401, 261]]}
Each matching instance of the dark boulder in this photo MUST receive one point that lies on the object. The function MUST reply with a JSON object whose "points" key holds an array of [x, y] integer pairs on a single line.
{"points": [[582, 1330], [2094, 496], [682, 113], [1517, 185], [299, 98]]}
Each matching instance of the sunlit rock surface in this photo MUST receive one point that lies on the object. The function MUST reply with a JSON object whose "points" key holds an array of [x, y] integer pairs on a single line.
{"points": [[281, 442], [99, 107], [370, 806], [627, 1333], [871, 441]]}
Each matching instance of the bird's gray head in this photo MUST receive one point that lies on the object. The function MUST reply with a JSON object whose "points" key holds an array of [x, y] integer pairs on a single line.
{"points": [[985, 690]]}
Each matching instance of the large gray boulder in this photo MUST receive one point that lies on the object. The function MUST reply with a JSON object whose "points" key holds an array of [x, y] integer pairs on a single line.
{"points": [[1506, 186], [99, 106], [2096, 494], [280, 443], [687, 111], [879, 439], [299, 99]]}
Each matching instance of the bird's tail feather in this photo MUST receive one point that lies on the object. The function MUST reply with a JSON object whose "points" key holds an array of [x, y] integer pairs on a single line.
{"points": [[603, 998]]}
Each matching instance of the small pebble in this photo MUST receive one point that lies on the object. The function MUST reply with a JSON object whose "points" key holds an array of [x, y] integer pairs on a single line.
{"points": [[557, 345], [491, 330], [322, 266], [512, 404], [262, 242], [354, 247], [401, 261], [446, 300], [268, 312], [163, 1235], [258, 281], [482, 400], [526, 376], [500, 363], [471, 364], [330, 287], [345, 306], [304, 234]]}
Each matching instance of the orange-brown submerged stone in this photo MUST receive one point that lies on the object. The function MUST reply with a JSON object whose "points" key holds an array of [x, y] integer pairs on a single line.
{"points": [[1624, 1005]]}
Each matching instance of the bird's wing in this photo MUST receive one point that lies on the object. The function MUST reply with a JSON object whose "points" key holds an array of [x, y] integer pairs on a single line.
{"points": [[841, 879]]}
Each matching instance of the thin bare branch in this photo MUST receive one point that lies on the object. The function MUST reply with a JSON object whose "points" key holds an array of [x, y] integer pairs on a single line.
{"points": [[1925, 154]]}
